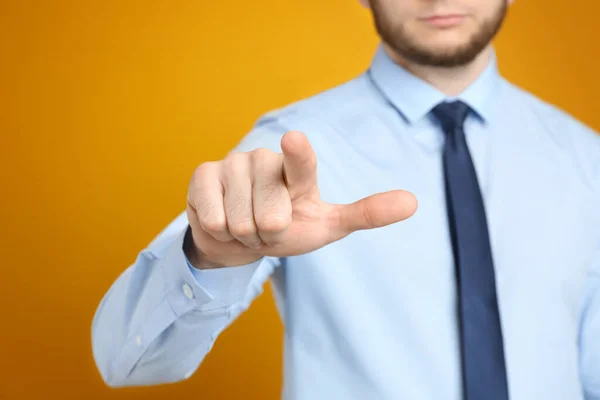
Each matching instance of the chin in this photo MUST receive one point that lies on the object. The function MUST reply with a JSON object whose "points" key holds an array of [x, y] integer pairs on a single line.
{"points": [[442, 48]]}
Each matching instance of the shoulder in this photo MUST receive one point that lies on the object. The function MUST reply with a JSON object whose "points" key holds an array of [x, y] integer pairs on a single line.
{"points": [[555, 119], [334, 104], [318, 116], [571, 135]]}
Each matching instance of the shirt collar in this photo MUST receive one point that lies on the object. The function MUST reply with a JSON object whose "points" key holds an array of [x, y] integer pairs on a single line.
{"points": [[415, 98]]}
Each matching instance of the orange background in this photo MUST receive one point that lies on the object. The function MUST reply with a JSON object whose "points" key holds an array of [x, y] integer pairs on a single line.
{"points": [[106, 108]]}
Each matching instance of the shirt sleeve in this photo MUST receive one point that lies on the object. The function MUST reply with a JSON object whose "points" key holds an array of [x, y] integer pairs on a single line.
{"points": [[162, 316], [225, 284], [159, 320], [590, 334]]}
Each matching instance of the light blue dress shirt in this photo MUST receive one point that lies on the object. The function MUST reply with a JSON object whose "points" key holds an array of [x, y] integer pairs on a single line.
{"points": [[374, 315]]}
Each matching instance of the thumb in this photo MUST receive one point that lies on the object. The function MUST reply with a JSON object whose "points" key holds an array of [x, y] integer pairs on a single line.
{"points": [[374, 211]]}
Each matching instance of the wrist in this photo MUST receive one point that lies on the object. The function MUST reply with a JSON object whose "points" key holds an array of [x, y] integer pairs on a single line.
{"points": [[194, 254], [189, 248]]}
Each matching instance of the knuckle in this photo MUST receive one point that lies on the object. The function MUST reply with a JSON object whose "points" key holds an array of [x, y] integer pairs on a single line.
{"points": [[273, 222], [261, 154], [244, 230], [214, 225], [234, 160], [367, 214], [203, 169]]}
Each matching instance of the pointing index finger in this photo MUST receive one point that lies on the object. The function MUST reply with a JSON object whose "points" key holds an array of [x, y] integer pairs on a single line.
{"points": [[299, 164]]}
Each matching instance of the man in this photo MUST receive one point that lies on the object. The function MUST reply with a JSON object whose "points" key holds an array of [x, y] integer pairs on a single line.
{"points": [[491, 290]]}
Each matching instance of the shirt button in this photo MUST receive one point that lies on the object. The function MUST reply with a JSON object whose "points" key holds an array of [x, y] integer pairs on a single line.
{"points": [[138, 341], [187, 290]]}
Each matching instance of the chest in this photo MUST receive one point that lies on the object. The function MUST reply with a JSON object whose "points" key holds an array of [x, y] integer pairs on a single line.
{"points": [[541, 216]]}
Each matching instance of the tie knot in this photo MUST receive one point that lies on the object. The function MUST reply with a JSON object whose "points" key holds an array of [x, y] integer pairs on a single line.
{"points": [[451, 115]]}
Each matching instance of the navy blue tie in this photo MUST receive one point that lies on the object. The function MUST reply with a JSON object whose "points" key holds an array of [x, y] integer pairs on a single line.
{"points": [[483, 365]]}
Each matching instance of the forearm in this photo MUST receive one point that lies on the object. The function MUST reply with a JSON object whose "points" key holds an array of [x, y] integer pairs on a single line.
{"points": [[157, 322]]}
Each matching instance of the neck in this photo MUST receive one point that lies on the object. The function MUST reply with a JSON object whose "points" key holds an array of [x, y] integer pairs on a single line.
{"points": [[450, 81]]}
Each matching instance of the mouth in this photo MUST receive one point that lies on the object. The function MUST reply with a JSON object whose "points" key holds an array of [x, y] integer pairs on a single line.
{"points": [[444, 21]]}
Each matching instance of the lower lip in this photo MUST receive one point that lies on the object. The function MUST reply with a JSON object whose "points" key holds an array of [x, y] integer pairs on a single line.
{"points": [[444, 22]]}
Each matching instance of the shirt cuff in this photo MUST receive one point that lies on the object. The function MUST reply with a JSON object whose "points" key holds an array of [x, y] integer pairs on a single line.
{"points": [[226, 285], [182, 290], [189, 288]]}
